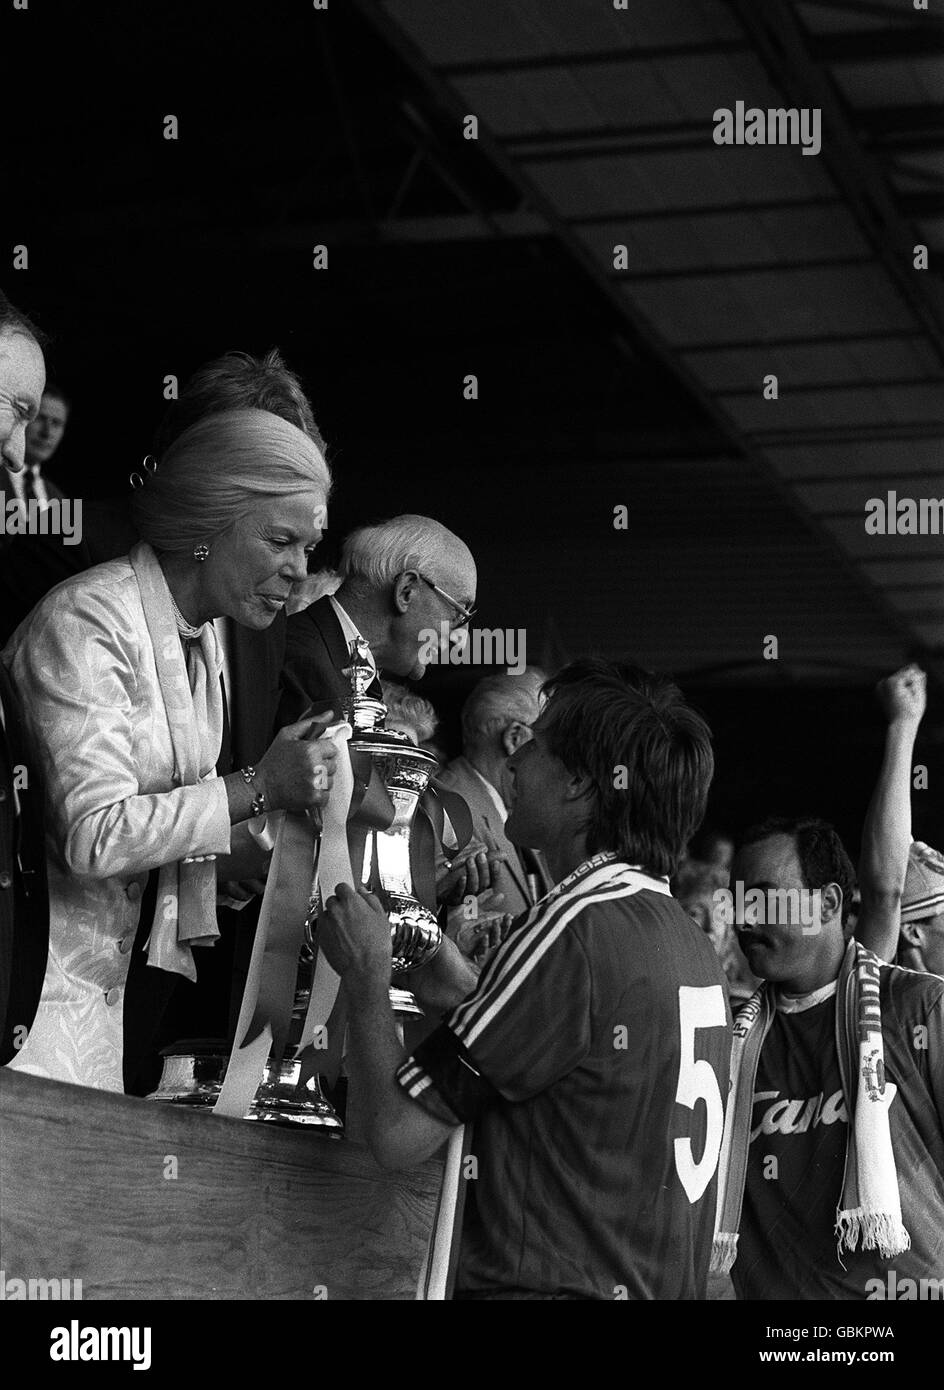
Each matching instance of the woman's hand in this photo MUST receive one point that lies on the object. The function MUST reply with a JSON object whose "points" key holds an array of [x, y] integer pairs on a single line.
{"points": [[297, 769]]}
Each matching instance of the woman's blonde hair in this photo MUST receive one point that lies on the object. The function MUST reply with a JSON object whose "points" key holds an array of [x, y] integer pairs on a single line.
{"points": [[217, 470]]}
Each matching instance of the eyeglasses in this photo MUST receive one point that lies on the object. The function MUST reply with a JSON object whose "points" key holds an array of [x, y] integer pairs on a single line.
{"points": [[465, 614]]}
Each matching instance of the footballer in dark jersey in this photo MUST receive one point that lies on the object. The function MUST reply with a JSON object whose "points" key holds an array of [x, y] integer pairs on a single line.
{"points": [[590, 1057]]}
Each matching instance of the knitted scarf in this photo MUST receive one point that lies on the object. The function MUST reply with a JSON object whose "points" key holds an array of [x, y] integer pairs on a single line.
{"points": [[870, 1206]]}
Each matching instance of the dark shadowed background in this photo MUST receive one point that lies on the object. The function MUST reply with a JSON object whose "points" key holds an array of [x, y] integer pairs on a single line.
{"points": [[597, 387]]}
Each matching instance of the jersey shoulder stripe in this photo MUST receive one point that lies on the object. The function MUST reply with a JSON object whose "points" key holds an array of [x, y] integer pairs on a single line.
{"points": [[527, 949]]}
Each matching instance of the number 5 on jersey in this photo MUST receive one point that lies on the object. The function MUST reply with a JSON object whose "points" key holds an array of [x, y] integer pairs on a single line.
{"points": [[699, 1008]]}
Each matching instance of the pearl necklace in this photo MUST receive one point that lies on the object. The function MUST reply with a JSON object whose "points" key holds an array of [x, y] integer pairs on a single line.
{"points": [[183, 627]]}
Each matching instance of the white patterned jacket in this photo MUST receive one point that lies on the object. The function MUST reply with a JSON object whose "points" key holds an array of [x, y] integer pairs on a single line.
{"points": [[84, 668]]}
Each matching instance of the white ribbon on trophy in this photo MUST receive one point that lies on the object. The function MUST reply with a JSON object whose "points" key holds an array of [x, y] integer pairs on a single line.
{"points": [[290, 880]]}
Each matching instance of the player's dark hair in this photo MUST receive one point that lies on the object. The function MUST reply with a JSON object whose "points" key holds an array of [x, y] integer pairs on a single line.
{"points": [[238, 381], [646, 753], [821, 854], [13, 320], [57, 393]]}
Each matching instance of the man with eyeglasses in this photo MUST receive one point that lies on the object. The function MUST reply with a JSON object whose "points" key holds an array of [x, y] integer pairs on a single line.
{"points": [[24, 901], [401, 579]]}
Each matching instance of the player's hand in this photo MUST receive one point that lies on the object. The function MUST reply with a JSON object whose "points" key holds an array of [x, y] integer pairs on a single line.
{"points": [[472, 874], [478, 941], [904, 696], [354, 935]]}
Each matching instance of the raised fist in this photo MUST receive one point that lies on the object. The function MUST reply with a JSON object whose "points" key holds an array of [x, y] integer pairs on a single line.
{"points": [[903, 696]]}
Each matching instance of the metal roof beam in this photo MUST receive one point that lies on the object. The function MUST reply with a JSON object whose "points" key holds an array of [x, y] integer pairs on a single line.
{"points": [[846, 434], [795, 388], [700, 272], [866, 7], [880, 46], [452, 103], [655, 53], [686, 214], [821, 340], [784, 48]]}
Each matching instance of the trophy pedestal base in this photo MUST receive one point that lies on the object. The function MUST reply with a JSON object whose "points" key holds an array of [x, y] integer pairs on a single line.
{"points": [[195, 1079], [286, 1100], [403, 1002]]}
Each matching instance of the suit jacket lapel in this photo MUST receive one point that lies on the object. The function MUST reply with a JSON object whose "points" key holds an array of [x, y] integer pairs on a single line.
{"points": [[326, 620], [489, 813]]}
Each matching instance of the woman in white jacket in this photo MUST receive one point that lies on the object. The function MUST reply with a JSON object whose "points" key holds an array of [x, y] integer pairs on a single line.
{"points": [[118, 671]]}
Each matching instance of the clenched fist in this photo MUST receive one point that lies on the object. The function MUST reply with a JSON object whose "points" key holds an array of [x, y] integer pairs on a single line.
{"points": [[903, 696]]}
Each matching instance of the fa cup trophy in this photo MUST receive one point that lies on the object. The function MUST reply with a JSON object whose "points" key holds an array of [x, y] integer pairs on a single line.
{"points": [[384, 863], [391, 775]]}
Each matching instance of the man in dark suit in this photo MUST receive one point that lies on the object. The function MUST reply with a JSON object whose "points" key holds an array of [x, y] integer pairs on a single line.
{"points": [[24, 903], [496, 721], [402, 580], [43, 437]]}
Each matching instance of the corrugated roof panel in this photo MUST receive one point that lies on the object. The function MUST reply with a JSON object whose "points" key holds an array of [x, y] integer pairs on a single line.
{"points": [[455, 31], [708, 293], [855, 406], [621, 94], [552, 99], [728, 239], [912, 170], [850, 498], [838, 18], [634, 184], [828, 364], [898, 82], [924, 597], [842, 299], [886, 458], [894, 573], [894, 357], [700, 85], [851, 534]]}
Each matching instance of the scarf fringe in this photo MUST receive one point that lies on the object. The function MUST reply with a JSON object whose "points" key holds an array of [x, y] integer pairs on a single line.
{"points": [[878, 1231], [723, 1252]]}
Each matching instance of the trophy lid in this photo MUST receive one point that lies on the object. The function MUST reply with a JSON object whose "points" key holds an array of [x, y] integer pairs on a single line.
{"points": [[367, 714]]}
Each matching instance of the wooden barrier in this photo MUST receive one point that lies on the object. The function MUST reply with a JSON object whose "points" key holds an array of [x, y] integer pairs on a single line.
{"points": [[148, 1201]]}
